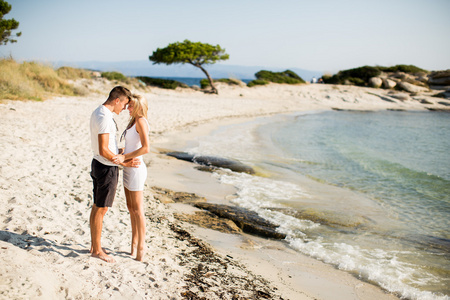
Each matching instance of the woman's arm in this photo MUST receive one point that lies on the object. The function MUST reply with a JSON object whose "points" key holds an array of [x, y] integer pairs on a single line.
{"points": [[142, 129], [103, 142]]}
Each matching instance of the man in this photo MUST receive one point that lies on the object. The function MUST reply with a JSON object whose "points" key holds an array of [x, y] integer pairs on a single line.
{"points": [[104, 173]]}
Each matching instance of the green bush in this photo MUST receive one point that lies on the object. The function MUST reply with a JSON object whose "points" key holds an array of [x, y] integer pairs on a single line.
{"points": [[114, 76], [279, 77], [204, 83], [356, 81], [73, 73], [32, 80], [162, 83], [403, 68], [257, 82], [364, 73]]}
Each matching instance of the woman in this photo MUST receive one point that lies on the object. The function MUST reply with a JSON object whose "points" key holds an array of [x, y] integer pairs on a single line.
{"points": [[136, 145]]}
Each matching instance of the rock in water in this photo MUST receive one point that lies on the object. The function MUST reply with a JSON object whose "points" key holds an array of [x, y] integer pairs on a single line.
{"points": [[247, 220], [219, 162]]}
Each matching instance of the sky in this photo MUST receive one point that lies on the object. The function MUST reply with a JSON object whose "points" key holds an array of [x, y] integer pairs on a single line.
{"points": [[325, 36]]}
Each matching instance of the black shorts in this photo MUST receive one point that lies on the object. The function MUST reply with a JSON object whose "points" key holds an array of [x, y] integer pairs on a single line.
{"points": [[105, 179]]}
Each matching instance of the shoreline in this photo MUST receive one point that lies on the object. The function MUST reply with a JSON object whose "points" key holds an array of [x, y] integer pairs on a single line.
{"points": [[296, 275], [46, 191]]}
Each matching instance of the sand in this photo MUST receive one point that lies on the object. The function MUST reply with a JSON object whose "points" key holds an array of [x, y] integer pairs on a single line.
{"points": [[46, 196]]}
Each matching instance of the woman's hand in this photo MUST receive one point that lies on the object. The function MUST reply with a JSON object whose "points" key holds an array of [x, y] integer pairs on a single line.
{"points": [[118, 159], [132, 163]]}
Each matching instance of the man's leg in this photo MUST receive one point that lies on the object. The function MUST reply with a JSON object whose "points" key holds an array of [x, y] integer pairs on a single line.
{"points": [[96, 225]]}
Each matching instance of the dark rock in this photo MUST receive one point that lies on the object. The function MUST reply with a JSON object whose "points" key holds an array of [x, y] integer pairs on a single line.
{"points": [[439, 78], [168, 196], [425, 101], [249, 221], [219, 162], [209, 220], [438, 109]]}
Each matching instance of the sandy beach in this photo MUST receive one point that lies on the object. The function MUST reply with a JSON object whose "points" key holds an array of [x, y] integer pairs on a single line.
{"points": [[46, 196]]}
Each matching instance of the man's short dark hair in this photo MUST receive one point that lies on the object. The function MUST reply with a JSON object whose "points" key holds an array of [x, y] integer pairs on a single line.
{"points": [[117, 92]]}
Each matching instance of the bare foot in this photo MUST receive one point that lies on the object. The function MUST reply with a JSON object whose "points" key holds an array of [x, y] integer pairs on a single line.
{"points": [[104, 250], [140, 254], [133, 250], [103, 256]]}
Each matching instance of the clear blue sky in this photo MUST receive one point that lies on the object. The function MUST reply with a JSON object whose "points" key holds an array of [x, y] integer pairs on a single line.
{"points": [[326, 35]]}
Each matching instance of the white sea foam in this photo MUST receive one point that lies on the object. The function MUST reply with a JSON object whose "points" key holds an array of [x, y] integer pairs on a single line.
{"points": [[373, 255], [376, 265]]}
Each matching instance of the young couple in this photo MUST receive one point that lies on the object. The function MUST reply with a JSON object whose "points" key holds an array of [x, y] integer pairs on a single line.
{"points": [[105, 171]]}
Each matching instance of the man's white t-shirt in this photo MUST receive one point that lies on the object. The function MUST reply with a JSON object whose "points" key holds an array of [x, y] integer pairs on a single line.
{"points": [[102, 122]]}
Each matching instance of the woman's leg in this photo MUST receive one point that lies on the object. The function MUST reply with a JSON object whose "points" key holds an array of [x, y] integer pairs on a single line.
{"points": [[134, 236], [138, 207]]}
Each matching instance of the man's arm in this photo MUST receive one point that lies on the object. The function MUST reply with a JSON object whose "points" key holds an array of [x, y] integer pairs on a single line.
{"points": [[103, 149]]}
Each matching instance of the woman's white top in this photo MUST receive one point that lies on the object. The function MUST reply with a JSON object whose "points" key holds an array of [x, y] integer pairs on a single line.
{"points": [[134, 178]]}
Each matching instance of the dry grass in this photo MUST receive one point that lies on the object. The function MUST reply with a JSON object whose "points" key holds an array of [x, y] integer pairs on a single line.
{"points": [[35, 81]]}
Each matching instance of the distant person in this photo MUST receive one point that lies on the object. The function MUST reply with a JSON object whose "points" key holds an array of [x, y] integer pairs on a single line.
{"points": [[104, 172], [314, 80], [321, 80], [136, 144]]}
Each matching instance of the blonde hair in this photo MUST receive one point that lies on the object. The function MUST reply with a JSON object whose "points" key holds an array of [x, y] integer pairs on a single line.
{"points": [[140, 108]]}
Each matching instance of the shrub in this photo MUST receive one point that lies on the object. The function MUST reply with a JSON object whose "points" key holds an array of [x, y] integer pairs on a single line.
{"points": [[356, 81], [73, 73], [364, 73], [257, 82], [403, 68], [279, 77], [31, 80], [114, 76], [162, 83], [331, 79], [204, 83]]}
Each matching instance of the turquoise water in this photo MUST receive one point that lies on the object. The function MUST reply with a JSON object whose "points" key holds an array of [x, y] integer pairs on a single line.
{"points": [[190, 81], [368, 192]]}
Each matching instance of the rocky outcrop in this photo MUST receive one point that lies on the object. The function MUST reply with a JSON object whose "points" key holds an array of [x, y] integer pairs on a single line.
{"points": [[209, 220], [410, 83], [411, 88], [214, 161], [388, 83], [169, 196], [440, 80], [375, 82], [249, 221]]}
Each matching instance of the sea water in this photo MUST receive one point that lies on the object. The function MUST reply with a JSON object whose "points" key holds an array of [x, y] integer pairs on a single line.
{"points": [[368, 192]]}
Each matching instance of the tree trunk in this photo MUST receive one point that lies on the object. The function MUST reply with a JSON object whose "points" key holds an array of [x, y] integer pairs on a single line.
{"points": [[213, 88]]}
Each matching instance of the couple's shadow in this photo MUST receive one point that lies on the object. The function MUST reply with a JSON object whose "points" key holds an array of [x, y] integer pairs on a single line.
{"points": [[29, 242]]}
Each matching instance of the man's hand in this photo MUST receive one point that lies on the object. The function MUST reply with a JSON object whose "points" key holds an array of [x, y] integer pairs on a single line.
{"points": [[131, 163], [118, 159]]}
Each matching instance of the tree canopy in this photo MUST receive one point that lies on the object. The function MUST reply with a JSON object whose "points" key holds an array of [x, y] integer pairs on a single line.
{"points": [[6, 26], [196, 54]]}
